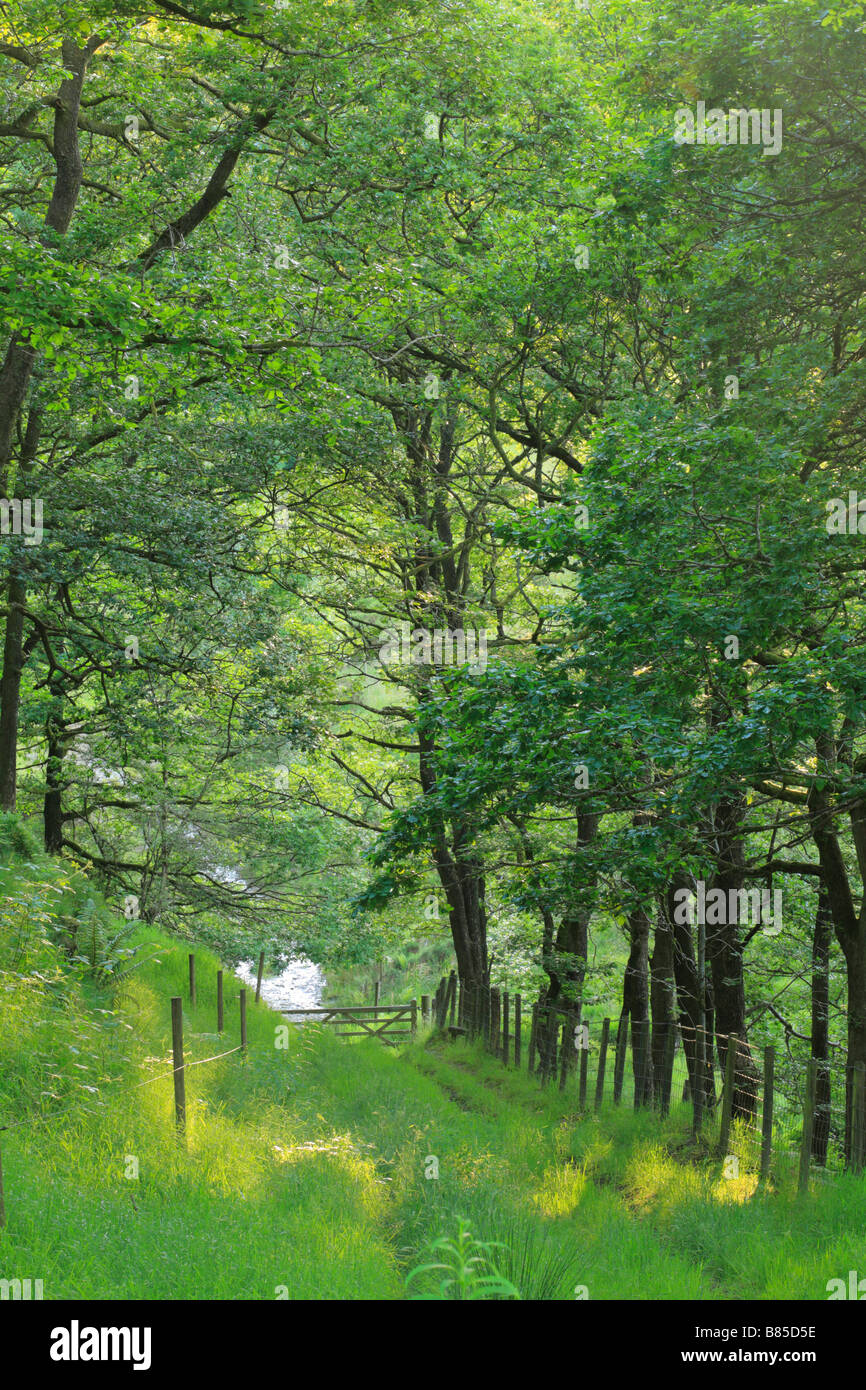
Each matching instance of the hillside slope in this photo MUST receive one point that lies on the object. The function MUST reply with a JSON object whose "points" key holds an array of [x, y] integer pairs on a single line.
{"points": [[323, 1169]]}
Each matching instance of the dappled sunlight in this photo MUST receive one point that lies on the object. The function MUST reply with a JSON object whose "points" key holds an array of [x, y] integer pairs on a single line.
{"points": [[735, 1189], [561, 1190]]}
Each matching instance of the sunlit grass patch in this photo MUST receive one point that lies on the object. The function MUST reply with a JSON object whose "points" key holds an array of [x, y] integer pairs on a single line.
{"points": [[561, 1190]]}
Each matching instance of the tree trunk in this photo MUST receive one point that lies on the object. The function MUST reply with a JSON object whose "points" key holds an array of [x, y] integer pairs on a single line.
{"points": [[635, 1001], [566, 963], [821, 940], [725, 958], [685, 977], [662, 996], [848, 924], [52, 811], [10, 690], [15, 377]]}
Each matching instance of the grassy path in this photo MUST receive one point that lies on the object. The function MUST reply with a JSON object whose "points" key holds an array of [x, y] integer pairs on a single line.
{"points": [[324, 1170]]}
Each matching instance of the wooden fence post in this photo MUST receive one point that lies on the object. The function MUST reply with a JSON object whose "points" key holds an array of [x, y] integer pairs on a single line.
{"points": [[602, 1059], [619, 1057], [808, 1125], [425, 1008], [641, 1059], [517, 1021], [533, 1038], [192, 981], [220, 1009], [728, 1093], [568, 1024], [506, 1022], [259, 976], [414, 1024], [452, 995], [767, 1117], [444, 1000], [542, 1069], [584, 1067], [858, 1117], [698, 1089], [551, 1046], [243, 1003], [177, 1062], [494, 1021], [461, 1005], [666, 1080]]}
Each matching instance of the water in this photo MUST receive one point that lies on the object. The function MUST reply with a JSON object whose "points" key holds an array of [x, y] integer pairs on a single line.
{"points": [[299, 986]]}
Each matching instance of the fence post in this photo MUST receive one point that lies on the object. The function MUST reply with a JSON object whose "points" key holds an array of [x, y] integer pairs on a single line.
{"points": [[517, 1007], [506, 1021], [243, 1002], [470, 1007], [192, 980], [728, 1094], [808, 1126], [641, 1058], [767, 1117], [494, 1022], [545, 1016], [698, 1089], [461, 1005], [259, 976], [414, 1024], [452, 995], [444, 1001], [667, 1075], [533, 1038], [425, 1008], [220, 1010], [567, 1047], [584, 1067], [602, 1059], [177, 1062], [551, 1047], [619, 1058], [858, 1116]]}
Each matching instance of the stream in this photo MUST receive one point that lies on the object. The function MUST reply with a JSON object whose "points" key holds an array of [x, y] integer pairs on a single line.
{"points": [[299, 986]]}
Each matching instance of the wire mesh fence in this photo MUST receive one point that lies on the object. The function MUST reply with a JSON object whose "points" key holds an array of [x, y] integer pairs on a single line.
{"points": [[781, 1111]]}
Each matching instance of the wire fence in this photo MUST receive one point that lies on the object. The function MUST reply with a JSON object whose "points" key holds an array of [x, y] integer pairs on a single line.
{"points": [[771, 1111]]}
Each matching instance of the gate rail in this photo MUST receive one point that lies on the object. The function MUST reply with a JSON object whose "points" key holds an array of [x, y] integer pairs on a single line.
{"points": [[371, 1020]]}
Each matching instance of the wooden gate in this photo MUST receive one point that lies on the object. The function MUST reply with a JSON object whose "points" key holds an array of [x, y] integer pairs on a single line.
{"points": [[390, 1022]]}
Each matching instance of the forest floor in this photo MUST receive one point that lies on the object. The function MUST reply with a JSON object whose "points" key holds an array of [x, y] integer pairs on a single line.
{"points": [[324, 1169]]}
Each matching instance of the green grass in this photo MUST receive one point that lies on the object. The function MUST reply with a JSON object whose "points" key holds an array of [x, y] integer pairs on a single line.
{"points": [[309, 1168]]}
